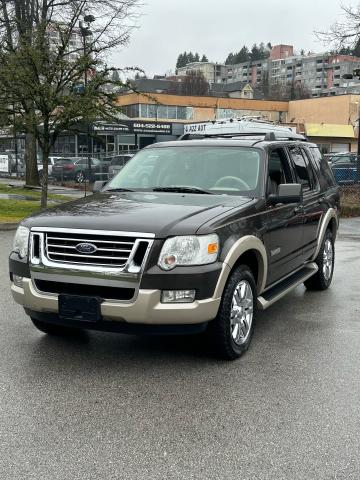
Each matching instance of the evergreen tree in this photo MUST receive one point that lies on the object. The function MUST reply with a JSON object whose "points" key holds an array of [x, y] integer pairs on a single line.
{"points": [[255, 53], [204, 58], [356, 50], [196, 57], [190, 57], [230, 59]]}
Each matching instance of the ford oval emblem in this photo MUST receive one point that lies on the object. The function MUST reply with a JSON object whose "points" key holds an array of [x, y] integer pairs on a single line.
{"points": [[86, 247]]}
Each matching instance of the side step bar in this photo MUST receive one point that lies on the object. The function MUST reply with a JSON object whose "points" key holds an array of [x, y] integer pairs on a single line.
{"points": [[281, 289]]}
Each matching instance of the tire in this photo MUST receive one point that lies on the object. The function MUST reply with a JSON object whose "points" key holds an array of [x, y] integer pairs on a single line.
{"points": [[52, 329], [227, 336], [80, 177], [325, 261]]}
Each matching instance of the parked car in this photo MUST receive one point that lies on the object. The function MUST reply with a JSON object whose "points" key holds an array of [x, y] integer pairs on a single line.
{"points": [[77, 169], [224, 227], [345, 168], [51, 163], [117, 163]]}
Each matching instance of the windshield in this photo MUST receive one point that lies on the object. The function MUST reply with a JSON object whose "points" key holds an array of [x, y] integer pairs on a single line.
{"points": [[232, 170]]}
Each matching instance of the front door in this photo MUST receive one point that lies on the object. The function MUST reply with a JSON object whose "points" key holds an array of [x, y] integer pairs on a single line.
{"points": [[284, 236]]}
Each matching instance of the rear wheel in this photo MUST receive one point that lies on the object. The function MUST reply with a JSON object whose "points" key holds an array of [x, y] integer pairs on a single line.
{"points": [[325, 261], [80, 177], [232, 330], [52, 329]]}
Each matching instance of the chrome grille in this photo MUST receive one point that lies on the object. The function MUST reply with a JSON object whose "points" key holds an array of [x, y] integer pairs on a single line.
{"points": [[111, 250]]}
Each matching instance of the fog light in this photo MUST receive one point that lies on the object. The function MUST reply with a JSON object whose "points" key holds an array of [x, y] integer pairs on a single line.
{"points": [[178, 296], [18, 281]]}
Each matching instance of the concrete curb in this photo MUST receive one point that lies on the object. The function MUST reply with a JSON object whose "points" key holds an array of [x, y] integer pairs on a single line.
{"points": [[5, 227]]}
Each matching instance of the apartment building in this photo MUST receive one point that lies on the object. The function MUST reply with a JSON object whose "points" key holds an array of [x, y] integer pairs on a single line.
{"points": [[321, 74], [213, 72]]}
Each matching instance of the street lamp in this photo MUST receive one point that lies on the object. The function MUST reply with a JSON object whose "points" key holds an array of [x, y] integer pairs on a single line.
{"points": [[85, 31]]}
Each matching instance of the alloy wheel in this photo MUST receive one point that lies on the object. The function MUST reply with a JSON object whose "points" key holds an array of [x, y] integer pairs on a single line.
{"points": [[242, 311], [328, 259]]}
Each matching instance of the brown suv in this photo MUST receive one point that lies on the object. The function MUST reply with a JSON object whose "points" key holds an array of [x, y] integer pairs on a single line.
{"points": [[191, 236]]}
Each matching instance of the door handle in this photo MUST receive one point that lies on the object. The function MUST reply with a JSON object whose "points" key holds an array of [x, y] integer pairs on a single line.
{"points": [[321, 200]]}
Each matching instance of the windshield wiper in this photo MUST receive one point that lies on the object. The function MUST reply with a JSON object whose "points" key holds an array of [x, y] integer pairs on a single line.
{"points": [[119, 190], [181, 190]]}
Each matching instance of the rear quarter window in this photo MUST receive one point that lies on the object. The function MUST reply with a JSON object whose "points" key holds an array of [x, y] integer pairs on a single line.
{"points": [[324, 171]]}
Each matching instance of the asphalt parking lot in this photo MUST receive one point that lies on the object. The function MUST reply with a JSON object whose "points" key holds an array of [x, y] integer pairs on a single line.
{"points": [[106, 406]]}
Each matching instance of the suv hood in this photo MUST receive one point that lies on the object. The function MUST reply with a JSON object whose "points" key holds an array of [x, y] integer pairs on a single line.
{"points": [[163, 214]]}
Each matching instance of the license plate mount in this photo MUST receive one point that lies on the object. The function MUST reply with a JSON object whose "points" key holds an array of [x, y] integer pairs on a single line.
{"points": [[81, 308]]}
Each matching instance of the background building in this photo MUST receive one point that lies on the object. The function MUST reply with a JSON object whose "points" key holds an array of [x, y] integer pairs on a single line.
{"points": [[212, 72], [318, 74]]}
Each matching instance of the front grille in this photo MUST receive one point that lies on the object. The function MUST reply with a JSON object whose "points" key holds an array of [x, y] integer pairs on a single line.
{"points": [[108, 293], [110, 250]]}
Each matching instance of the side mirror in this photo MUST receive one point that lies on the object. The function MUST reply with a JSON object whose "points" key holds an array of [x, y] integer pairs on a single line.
{"points": [[288, 193], [98, 185]]}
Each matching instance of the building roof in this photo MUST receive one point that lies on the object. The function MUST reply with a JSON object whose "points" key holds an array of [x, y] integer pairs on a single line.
{"points": [[150, 85], [229, 87]]}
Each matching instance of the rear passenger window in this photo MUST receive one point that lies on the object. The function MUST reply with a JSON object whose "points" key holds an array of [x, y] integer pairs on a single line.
{"points": [[301, 167], [317, 157]]}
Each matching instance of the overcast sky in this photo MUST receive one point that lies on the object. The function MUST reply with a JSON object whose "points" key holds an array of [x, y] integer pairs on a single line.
{"points": [[217, 27]]}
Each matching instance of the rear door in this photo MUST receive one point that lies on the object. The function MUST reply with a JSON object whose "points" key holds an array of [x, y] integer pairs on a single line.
{"points": [[313, 203]]}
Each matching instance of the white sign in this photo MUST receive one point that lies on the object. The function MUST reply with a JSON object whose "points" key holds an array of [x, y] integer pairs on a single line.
{"points": [[195, 127], [4, 164]]}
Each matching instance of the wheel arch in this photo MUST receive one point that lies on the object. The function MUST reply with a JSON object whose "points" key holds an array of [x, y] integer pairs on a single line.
{"points": [[330, 220], [248, 250]]}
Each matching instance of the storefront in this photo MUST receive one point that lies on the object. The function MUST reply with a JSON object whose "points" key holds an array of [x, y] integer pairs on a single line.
{"points": [[104, 139]]}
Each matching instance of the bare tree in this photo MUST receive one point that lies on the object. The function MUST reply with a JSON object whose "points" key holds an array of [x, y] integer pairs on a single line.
{"points": [[54, 70], [344, 33], [194, 83]]}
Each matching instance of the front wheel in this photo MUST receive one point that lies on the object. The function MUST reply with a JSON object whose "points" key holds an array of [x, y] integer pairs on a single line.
{"points": [[325, 261], [52, 329], [232, 330]]}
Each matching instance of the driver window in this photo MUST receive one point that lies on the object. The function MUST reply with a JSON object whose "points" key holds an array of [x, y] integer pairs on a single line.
{"points": [[279, 171]]}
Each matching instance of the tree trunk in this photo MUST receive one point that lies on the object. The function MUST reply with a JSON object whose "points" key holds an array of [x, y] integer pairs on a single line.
{"points": [[31, 174], [44, 180]]}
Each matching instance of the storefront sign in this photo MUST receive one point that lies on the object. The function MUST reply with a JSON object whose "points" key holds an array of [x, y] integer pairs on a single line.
{"points": [[134, 127], [195, 127], [4, 164]]}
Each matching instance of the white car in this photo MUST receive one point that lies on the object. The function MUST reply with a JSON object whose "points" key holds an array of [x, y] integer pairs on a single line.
{"points": [[52, 161]]}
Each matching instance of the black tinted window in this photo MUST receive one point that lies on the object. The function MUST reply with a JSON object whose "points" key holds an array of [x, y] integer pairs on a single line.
{"points": [[301, 167]]}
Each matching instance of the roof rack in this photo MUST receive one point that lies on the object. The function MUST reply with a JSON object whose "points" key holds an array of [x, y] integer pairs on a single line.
{"points": [[241, 127], [268, 136]]}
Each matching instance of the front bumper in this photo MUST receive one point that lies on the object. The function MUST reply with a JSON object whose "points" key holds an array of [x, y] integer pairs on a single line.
{"points": [[146, 309]]}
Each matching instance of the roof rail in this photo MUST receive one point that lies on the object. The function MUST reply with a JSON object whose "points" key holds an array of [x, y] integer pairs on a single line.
{"points": [[268, 136]]}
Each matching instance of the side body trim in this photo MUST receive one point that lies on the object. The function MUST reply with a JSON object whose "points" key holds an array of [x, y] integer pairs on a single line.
{"points": [[331, 213]]}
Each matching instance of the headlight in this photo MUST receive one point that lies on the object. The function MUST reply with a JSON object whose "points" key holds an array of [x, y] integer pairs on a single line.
{"points": [[189, 250], [21, 241]]}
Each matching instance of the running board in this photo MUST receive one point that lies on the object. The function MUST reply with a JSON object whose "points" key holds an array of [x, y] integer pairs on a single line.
{"points": [[281, 289]]}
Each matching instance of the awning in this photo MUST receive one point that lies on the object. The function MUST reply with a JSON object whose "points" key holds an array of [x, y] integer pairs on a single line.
{"points": [[329, 130]]}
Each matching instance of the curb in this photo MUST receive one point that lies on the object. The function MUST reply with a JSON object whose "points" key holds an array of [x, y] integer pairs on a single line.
{"points": [[5, 227], [349, 211]]}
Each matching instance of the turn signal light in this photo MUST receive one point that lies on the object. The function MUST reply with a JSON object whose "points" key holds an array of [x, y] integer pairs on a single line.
{"points": [[213, 248]]}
